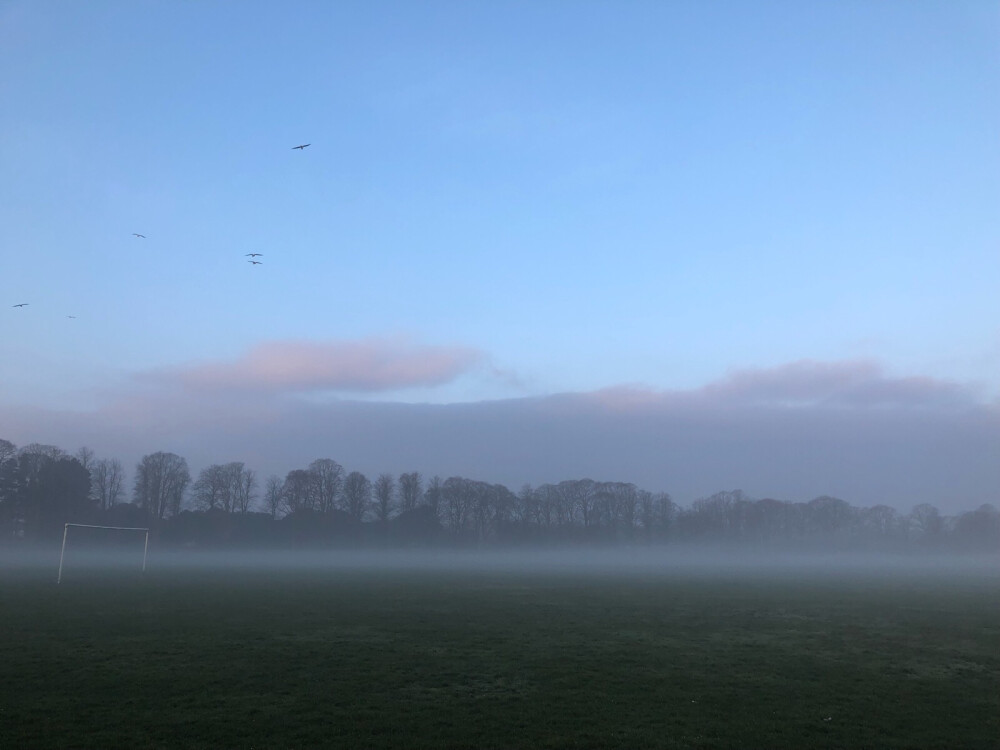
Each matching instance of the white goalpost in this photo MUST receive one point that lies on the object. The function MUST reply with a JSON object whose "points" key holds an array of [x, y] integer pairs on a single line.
{"points": [[62, 553]]}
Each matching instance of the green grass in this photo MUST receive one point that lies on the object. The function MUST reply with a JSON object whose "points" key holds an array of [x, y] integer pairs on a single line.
{"points": [[241, 659]]}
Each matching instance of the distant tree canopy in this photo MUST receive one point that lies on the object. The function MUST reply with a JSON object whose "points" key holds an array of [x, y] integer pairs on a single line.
{"points": [[42, 488], [231, 488]]}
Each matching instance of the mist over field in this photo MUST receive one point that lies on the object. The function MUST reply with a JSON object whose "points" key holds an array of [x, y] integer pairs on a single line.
{"points": [[86, 562], [592, 648]]}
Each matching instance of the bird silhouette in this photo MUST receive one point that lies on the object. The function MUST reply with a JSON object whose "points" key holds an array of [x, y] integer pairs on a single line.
{"points": [[254, 255], [301, 147], [23, 304], [142, 236], [255, 262], [71, 317]]}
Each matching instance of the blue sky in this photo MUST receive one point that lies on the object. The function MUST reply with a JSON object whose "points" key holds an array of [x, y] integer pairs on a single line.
{"points": [[535, 198]]}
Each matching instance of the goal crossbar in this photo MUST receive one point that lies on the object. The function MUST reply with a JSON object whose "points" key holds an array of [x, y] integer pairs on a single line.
{"points": [[62, 553]]}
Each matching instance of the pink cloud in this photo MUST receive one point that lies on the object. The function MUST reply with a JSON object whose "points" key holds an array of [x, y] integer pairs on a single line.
{"points": [[805, 383], [845, 383], [300, 366]]}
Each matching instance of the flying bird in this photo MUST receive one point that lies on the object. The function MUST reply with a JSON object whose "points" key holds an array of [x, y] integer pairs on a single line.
{"points": [[23, 304], [255, 262], [139, 235], [254, 255], [72, 317], [301, 147]]}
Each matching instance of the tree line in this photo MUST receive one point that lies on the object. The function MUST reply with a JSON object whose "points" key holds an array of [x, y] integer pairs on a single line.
{"points": [[42, 487]]}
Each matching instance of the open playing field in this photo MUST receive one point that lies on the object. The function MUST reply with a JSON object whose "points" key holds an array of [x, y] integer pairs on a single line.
{"points": [[242, 658]]}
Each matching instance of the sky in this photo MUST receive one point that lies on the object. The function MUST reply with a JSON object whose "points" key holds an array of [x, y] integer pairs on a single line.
{"points": [[698, 246]]}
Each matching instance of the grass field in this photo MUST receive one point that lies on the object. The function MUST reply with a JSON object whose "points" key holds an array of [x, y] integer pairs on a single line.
{"points": [[244, 658]]}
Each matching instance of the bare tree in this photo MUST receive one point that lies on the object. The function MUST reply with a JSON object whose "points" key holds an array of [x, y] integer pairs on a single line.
{"points": [[432, 496], [107, 479], [774, 519], [545, 505], [7, 451], [86, 457], [211, 490], [830, 516], [329, 478], [561, 504], [500, 504], [9, 480], [357, 494], [580, 497], [926, 522], [719, 514], [274, 495], [32, 457], [160, 481], [881, 520], [458, 500], [299, 490], [655, 513], [978, 529], [243, 486], [624, 504], [409, 490], [526, 511], [385, 491], [231, 487]]}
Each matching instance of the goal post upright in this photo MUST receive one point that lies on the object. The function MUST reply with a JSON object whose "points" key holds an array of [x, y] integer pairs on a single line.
{"points": [[62, 552]]}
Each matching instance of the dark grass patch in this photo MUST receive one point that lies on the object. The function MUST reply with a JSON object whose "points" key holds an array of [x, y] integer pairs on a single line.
{"points": [[245, 658]]}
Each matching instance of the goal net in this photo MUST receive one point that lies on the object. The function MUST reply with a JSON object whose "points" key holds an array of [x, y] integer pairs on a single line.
{"points": [[105, 543]]}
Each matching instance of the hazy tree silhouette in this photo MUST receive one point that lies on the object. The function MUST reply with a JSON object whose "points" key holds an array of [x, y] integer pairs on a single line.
{"points": [[9, 481], [432, 495], [160, 481], [357, 495], [457, 502], [409, 491], [526, 509], [385, 497], [328, 477], [243, 484], [228, 487], [299, 491], [979, 529], [7, 451], [656, 514], [107, 478], [59, 495], [211, 487], [86, 458], [274, 496], [41, 488], [926, 524], [881, 521]]}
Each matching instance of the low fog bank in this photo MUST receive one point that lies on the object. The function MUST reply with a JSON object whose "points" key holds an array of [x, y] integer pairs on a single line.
{"points": [[632, 561]]}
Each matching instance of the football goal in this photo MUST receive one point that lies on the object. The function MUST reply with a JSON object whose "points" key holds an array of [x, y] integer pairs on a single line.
{"points": [[110, 529]]}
